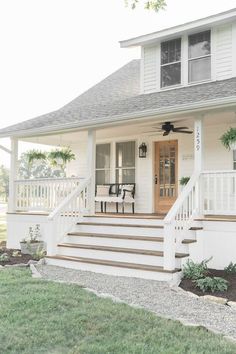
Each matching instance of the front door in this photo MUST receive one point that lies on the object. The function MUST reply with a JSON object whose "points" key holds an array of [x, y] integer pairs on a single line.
{"points": [[166, 175]]}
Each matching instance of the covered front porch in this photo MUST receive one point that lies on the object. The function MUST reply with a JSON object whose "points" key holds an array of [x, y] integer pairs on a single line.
{"points": [[110, 155]]}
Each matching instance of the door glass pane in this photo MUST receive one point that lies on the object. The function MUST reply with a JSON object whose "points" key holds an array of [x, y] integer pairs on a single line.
{"points": [[167, 165], [200, 69]]}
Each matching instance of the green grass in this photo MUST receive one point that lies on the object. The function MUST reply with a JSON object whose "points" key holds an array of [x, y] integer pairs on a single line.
{"points": [[3, 229], [37, 316]]}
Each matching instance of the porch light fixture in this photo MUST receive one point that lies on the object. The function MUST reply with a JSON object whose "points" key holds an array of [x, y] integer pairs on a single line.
{"points": [[142, 150]]}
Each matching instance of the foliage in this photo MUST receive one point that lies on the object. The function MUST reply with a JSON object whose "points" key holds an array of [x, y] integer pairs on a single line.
{"points": [[212, 284], [194, 271], [65, 154], [154, 5], [228, 137], [40, 253], [34, 155], [4, 182], [184, 180], [34, 235], [4, 257], [40, 316], [231, 268], [3, 231]]}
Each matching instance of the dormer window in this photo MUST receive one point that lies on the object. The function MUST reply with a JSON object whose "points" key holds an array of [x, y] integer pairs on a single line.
{"points": [[171, 63], [199, 54]]}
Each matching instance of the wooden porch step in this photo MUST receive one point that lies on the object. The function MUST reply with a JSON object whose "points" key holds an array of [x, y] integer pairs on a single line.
{"points": [[222, 218], [128, 216], [120, 237], [119, 249], [120, 225], [114, 264], [188, 241]]}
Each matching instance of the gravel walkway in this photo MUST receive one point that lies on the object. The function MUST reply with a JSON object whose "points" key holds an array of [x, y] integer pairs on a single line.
{"points": [[156, 296]]}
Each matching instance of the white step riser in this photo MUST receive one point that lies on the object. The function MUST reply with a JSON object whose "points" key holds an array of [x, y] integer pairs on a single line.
{"points": [[117, 271], [155, 246], [117, 230], [125, 221], [114, 256]]}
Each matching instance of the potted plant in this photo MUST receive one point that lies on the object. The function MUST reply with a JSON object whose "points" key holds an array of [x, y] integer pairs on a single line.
{"points": [[31, 245], [183, 181], [61, 156], [228, 139], [37, 157]]}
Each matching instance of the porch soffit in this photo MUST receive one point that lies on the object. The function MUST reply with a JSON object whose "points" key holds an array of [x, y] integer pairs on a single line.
{"points": [[117, 99]]}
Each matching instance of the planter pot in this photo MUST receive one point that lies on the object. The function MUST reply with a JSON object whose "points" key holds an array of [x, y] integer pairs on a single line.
{"points": [[31, 247], [59, 161], [232, 145]]}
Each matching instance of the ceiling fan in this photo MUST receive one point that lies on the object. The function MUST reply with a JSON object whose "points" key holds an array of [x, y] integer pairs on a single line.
{"points": [[168, 127]]}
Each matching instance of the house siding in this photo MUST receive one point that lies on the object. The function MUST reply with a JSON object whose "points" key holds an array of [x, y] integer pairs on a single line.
{"points": [[223, 50]]}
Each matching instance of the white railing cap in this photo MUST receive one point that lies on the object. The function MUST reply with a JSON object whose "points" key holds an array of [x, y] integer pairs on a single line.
{"points": [[55, 179]]}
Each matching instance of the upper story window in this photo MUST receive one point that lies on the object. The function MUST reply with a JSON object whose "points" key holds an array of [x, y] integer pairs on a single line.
{"points": [[171, 63], [199, 54]]}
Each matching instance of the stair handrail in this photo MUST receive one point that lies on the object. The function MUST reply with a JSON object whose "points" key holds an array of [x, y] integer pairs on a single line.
{"points": [[179, 218], [64, 217]]}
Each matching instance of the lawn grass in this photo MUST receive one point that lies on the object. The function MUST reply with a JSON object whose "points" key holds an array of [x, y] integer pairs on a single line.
{"points": [[3, 228], [37, 316]]}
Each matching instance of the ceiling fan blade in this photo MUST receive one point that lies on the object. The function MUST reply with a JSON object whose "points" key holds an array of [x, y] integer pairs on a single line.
{"points": [[184, 131], [166, 133], [181, 128]]}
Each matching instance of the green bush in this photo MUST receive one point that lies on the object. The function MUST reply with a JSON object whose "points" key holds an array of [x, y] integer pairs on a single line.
{"points": [[212, 284], [4, 257], [194, 271], [231, 268]]}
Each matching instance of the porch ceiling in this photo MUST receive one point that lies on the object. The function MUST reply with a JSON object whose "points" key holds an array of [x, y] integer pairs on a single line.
{"points": [[126, 130]]}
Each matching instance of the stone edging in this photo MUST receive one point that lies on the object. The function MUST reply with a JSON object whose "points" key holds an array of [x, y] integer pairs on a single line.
{"points": [[210, 298]]}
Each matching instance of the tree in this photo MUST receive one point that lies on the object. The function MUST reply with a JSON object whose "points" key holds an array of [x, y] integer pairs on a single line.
{"points": [[155, 5], [4, 183]]}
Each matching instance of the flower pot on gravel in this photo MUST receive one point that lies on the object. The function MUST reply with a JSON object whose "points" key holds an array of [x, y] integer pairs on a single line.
{"points": [[31, 247]]}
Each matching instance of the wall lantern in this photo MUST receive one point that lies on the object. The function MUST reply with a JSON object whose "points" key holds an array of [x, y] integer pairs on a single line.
{"points": [[142, 150]]}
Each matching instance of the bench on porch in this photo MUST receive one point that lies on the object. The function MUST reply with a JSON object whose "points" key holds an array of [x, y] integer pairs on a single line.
{"points": [[118, 193]]}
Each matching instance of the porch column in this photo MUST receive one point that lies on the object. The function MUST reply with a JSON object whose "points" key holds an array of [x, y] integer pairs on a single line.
{"points": [[13, 174], [91, 168], [198, 143]]}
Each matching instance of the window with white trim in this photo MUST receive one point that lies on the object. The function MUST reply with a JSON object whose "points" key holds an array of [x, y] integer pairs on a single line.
{"points": [[171, 63], [199, 57], [234, 159], [103, 157], [125, 162]]}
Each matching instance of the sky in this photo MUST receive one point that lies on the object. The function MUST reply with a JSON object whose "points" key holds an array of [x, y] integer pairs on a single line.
{"points": [[53, 50]]}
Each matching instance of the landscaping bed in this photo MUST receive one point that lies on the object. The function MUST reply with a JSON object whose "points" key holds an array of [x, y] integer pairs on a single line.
{"points": [[230, 293], [13, 257]]}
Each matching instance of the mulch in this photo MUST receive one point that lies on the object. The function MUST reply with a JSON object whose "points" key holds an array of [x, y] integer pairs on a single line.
{"points": [[230, 294], [22, 258]]}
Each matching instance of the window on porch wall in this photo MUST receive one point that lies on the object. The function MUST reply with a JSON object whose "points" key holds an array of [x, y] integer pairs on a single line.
{"points": [[103, 154], [125, 162], [234, 159]]}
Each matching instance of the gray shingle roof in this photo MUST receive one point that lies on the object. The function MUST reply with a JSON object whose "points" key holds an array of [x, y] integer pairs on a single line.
{"points": [[118, 95]]}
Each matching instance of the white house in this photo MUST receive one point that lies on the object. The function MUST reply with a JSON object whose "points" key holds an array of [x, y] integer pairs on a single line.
{"points": [[172, 106]]}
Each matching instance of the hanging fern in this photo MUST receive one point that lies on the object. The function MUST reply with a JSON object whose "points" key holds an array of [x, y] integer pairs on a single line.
{"points": [[34, 155], [65, 154], [228, 138]]}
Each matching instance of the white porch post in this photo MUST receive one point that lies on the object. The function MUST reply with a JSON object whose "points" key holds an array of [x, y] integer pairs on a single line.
{"points": [[198, 158], [13, 174], [198, 143], [91, 168]]}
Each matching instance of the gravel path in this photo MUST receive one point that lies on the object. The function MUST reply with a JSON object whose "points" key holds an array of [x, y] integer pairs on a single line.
{"points": [[156, 296]]}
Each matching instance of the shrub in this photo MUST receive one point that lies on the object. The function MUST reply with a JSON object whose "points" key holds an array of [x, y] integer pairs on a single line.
{"points": [[212, 284], [231, 268], [4, 257], [194, 271]]}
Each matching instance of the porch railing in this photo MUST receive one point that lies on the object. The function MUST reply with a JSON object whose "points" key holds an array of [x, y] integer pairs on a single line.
{"points": [[65, 216], [218, 191], [43, 194], [179, 218], [207, 193]]}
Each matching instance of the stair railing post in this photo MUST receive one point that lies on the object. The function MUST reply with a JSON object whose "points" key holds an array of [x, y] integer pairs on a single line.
{"points": [[91, 157], [169, 246]]}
